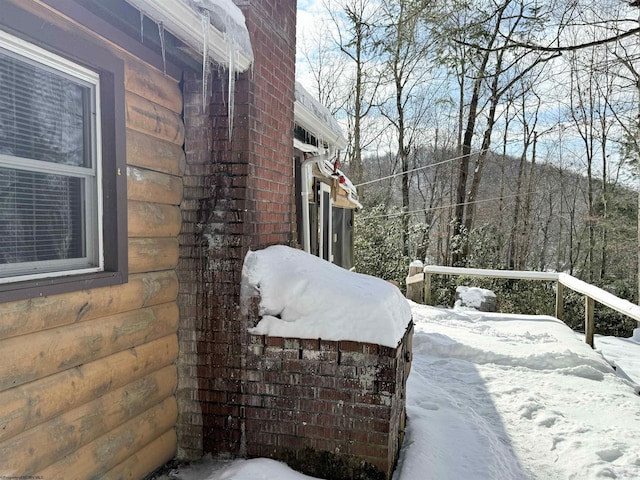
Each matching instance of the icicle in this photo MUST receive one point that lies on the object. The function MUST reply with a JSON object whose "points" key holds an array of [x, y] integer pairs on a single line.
{"points": [[141, 27], [206, 26], [164, 59], [226, 17], [232, 88]]}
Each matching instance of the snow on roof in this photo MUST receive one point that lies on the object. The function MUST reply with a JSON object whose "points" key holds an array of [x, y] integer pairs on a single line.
{"points": [[228, 19], [317, 119], [303, 296], [327, 168], [213, 27]]}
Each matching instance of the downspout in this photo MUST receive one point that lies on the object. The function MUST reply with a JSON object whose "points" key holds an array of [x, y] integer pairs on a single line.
{"points": [[304, 173]]}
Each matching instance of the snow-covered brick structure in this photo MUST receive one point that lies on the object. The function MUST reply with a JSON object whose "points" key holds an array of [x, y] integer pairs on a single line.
{"points": [[477, 298], [304, 296], [326, 373]]}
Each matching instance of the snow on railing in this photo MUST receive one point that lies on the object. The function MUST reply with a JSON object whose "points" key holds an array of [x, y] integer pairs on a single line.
{"points": [[591, 293]]}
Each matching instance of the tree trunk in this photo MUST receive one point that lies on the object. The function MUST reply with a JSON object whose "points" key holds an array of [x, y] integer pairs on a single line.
{"points": [[526, 226], [458, 257], [356, 160], [512, 258], [479, 164]]}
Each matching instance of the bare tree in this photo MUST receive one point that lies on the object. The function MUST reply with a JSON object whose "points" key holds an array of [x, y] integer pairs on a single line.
{"points": [[405, 46], [495, 69], [356, 22], [326, 64]]}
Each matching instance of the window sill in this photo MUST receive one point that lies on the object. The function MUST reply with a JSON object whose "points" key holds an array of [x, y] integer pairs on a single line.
{"points": [[54, 286]]}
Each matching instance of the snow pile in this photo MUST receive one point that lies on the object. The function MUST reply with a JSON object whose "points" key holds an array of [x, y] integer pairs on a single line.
{"points": [[474, 297], [256, 469], [260, 469], [303, 296]]}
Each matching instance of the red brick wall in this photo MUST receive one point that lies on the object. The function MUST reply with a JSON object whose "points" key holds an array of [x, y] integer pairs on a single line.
{"points": [[192, 267], [346, 398], [238, 196]]}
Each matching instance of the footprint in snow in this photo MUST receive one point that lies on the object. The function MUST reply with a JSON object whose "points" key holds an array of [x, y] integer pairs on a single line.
{"points": [[547, 421], [556, 441], [529, 410], [609, 455], [606, 473]]}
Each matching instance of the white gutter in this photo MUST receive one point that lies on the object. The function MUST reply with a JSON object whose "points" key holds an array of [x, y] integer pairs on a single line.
{"points": [[311, 123], [305, 147], [186, 24], [304, 171]]}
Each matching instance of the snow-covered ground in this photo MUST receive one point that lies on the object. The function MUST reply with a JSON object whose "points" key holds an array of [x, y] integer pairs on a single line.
{"points": [[495, 396]]}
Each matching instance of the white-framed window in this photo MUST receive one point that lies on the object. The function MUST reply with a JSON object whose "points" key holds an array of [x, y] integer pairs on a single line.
{"points": [[50, 164], [63, 191]]}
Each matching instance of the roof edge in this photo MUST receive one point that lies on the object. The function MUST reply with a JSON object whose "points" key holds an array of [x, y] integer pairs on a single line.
{"points": [[310, 122], [183, 22]]}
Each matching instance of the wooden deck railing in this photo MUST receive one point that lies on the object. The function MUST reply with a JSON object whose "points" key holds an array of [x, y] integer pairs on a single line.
{"points": [[419, 288]]}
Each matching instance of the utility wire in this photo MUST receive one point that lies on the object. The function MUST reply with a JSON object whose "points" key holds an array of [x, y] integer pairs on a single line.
{"points": [[484, 200], [399, 174]]}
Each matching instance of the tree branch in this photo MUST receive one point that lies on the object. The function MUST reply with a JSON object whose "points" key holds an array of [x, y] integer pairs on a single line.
{"points": [[559, 50]]}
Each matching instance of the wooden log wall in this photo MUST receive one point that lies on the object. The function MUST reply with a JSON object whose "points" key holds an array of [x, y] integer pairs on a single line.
{"points": [[88, 379]]}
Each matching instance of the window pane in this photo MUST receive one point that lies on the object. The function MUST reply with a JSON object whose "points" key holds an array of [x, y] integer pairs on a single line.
{"points": [[41, 217], [43, 115]]}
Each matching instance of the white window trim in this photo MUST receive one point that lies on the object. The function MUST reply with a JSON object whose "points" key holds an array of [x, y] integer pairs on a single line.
{"points": [[94, 210], [324, 188]]}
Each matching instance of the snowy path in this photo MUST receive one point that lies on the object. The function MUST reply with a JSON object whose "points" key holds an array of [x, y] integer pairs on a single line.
{"points": [[503, 397], [496, 396], [622, 353]]}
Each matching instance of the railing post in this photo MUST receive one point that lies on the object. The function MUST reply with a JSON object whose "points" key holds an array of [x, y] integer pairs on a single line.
{"points": [[589, 323], [559, 301], [414, 283], [427, 288]]}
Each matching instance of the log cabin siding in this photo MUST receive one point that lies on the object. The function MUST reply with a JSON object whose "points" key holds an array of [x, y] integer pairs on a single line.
{"points": [[88, 378], [148, 152]]}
